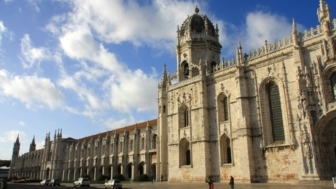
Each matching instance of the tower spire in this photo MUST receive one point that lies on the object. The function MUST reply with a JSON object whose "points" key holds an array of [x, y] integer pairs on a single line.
{"points": [[32, 145], [17, 140], [324, 17], [294, 33]]}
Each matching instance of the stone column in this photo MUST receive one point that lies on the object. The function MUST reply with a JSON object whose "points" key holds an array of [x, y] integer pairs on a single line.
{"points": [[111, 172], [95, 173], [103, 170], [145, 168], [74, 176], [132, 175]]}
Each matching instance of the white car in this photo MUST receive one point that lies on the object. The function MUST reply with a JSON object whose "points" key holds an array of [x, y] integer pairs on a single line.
{"points": [[114, 184], [81, 182], [45, 182]]}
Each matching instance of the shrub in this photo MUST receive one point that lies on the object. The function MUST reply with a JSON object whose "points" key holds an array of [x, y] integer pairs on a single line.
{"points": [[13, 178], [119, 177], [103, 178], [143, 178], [86, 176]]}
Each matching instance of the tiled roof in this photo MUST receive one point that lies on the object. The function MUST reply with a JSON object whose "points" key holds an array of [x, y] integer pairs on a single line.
{"points": [[129, 128]]}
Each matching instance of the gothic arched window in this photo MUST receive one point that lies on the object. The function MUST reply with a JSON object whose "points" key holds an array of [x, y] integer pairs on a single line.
{"points": [[278, 132], [333, 84], [225, 147], [142, 143], [223, 108], [154, 142], [186, 117], [186, 70], [131, 145], [213, 67], [185, 153]]}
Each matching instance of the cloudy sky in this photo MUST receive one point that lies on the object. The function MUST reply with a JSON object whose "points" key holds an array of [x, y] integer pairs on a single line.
{"points": [[90, 66]]}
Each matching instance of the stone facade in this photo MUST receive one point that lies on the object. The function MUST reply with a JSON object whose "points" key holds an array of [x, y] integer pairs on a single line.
{"points": [[130, 151], [265, 116]]}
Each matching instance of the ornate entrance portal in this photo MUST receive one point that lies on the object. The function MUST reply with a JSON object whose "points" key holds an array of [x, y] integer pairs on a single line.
{"points": [[326, 131]]}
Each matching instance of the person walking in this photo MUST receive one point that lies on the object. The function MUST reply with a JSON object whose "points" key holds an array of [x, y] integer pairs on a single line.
{"points": [[209, 182], [232, 182], [3, 184]]}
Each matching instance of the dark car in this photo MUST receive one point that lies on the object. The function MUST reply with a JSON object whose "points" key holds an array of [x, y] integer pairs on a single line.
{"points": [[55, 182]]}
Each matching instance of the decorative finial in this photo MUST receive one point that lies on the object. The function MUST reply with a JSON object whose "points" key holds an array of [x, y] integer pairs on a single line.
{"points": [[196, 9]]}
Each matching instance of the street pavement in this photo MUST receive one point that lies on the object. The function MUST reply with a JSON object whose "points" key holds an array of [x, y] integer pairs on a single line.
{"points": [[166, 185]]}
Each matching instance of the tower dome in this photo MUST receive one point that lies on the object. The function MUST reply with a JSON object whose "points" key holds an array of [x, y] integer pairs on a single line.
{"points": [[198, 24]]}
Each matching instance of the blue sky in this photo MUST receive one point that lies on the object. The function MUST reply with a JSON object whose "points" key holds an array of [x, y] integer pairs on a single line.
{"points": [[90, 66]]}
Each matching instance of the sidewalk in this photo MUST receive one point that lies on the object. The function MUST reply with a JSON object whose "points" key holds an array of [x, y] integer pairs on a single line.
{"points": [[167, 185]]}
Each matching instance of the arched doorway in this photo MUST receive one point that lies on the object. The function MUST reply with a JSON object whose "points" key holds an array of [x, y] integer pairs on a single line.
{"points": [[153, 171], [141, 168], [326, 148], [119, 169], [129, 171], [48, 173], [109, 171]]}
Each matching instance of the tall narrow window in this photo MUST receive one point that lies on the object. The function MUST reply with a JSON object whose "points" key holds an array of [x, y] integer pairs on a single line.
{"points": [[154, 142], [225, 147], [228, 151], [185, 153], [131, 145], [225, 103], [276, 113], [121, 146], [186, 70], [143, 143], [186, 117], [213, 67], [333, 84], [188, 157]]}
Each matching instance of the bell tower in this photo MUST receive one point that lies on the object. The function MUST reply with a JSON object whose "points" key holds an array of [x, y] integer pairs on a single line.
{"points": [[197, 46], [15, 155]]}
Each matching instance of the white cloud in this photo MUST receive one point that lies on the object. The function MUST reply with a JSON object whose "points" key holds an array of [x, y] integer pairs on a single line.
{"points": [[117, 21], [34, 4], [30, 90], [261, 26], [40, 144], [7, 138], [114, 124], [22, 123], [3, 30], [11, 136], [123, 89], [31, 54]]}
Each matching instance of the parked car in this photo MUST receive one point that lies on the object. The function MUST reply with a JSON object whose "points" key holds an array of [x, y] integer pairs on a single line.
{"points": [[45, 182], [81, 182], [55, 182], [114, 184]]}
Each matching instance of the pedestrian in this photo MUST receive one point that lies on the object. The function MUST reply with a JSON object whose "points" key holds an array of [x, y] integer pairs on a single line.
{"points": [[232, 182], [161, 177], [209, 182], [4, 184]]}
